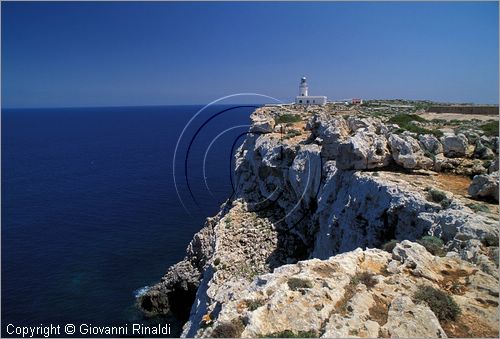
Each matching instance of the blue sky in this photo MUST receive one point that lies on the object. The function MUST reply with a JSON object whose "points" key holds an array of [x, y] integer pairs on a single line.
{"points": [[151, 53]]}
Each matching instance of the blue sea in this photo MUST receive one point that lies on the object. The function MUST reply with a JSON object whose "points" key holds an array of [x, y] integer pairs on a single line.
{"points": [[90, 214]]}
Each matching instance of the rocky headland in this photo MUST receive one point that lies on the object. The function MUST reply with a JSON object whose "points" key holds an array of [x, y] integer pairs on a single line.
{"points": [[346, 223]]}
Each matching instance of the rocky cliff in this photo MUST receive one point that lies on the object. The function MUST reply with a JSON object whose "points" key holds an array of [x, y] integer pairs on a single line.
{"points": [[314, 187]]}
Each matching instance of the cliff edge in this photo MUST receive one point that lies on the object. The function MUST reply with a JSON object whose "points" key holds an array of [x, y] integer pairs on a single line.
{"points": [[343, 224]]}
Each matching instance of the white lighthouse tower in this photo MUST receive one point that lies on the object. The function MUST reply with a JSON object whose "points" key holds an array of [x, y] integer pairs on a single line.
{"points": [[304, 98], [303, 88]]}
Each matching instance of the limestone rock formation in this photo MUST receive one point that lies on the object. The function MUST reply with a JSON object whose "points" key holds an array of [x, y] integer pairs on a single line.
{"points": [[484, 186], [431, 144], [262, 122], [483, 152], [406, 152], [454, 145], [406, 319], [364, 150], [296, 251], [331, 131], [368, 293]]}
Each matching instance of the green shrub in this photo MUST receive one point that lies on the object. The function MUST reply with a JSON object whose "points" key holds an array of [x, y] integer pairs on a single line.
{"points": [[430, 155], [380, 114], [436, 132], [249, 271], [487, 163], [490, 240], [287, 118], [439, 121], [490, 128], [405, 122], [433, 244], [292, 334], [445, 203], [436, 195], [292, 133], [439, 197], [404, 119], [296, 283], [254, 304], [231, 329], [420, 130], [478, 207], [366, 278], [422, 106], [389, 246], [216, 261], [443, 305]]}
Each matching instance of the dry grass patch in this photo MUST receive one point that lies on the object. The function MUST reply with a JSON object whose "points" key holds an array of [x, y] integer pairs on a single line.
{"points": [[366, 278], [380, 311], [468, 326], [232, 329], [455, 281], [325, 270], [453, 183]]}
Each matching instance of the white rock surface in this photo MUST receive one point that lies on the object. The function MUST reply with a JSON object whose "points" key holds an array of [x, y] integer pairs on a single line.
{"points": [[430, 143], [408, 320], [406, 152], [454, 145], [484, 186], [309, 199], [330, 298]]}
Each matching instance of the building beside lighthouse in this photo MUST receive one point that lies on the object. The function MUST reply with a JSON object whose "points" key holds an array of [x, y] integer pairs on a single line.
{"points": [[305, 99]]}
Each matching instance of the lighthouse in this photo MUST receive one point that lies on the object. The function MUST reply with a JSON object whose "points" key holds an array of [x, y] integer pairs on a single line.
{"points": [[303, 88], [304, 98]]}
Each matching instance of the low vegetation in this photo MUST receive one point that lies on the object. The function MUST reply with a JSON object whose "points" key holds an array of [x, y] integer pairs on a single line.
{"points": [[298, 283], [381, 114], [490, 240], [477, 207], [291, 334], [231, 329], [487, 163], [404, 119], [406, 122], [433, 244], [430, 155], [287, 118], [490, 128], [292, 133], [442, 304], [422, 106], [249, 271], [389, 246], [436, 195], [366, 278], [252, 305], [439, 197]]}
